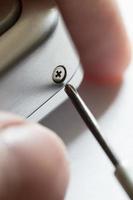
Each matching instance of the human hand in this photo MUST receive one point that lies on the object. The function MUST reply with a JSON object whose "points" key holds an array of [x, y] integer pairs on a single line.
{"points": [[100, 37], [33, 164]]}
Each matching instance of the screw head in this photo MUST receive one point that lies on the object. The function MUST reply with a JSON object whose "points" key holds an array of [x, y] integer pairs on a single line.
{"points": [[59, 74]]}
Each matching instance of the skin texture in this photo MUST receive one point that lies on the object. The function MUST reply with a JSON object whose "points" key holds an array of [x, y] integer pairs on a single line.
{"points": [[33, 161], [99, 34]]}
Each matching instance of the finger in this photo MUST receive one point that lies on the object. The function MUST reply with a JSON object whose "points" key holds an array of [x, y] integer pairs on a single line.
{"points": [[100, 37], [33, 163], [8, 119]]}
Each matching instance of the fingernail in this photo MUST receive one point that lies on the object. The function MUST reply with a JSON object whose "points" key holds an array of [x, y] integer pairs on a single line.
{"points": [[7, 120]]}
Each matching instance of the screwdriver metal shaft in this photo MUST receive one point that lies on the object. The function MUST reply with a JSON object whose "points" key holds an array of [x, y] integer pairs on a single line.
{"points": [[123, 171], [90, 121]]}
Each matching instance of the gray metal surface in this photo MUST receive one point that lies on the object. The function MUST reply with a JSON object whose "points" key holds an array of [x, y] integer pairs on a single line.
{"points": [[10, 10], [28, 86], [38, 19]]}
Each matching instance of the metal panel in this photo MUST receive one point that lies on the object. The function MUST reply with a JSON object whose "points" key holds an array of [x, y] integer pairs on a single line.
{"points": [[25, 88]]}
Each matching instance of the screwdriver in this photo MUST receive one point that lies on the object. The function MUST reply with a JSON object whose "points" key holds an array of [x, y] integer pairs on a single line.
{"points": [[123, 171]]}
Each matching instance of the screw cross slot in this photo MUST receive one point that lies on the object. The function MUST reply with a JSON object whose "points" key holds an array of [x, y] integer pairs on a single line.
{"points": [[59, 74]]}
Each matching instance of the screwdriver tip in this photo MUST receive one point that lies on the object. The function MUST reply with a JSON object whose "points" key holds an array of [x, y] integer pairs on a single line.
{"points": [[70, 90]]}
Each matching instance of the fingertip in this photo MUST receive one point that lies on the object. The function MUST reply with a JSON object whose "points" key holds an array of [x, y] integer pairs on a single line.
{"points": [[39, 161], [9, 119], [99, 34]]}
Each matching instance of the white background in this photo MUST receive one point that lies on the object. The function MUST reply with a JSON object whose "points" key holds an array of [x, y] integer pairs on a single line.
{"points": [[91, 172]]}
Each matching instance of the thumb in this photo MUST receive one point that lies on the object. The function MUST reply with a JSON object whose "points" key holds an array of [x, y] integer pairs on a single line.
{"points": [[33, 162]]}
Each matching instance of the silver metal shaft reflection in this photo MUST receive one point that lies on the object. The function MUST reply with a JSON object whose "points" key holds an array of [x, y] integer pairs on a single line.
{"points": [[90, 121]]}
